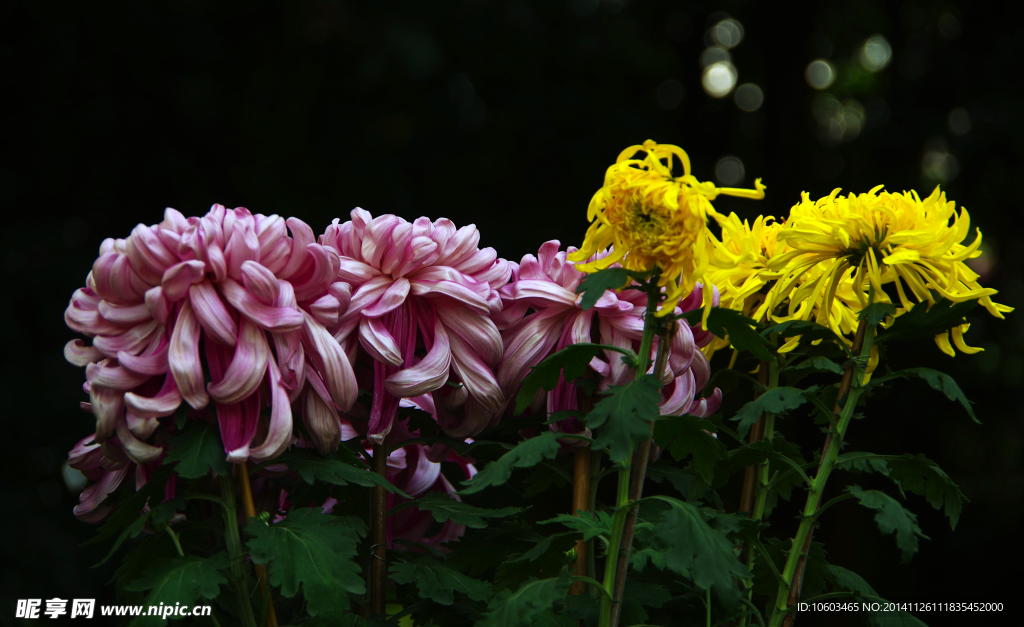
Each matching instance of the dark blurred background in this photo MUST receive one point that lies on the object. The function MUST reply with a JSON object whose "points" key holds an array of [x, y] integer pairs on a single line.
{"points": [[504, 114]]}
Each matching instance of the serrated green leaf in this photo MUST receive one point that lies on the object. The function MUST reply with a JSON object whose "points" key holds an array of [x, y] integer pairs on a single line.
{"points": [[197, 450], [692, 548], [180, 580], [923, 322], [891, 518], [591, 525], [740, 331], [529, 605], [638, 596], [876, 313], [626, 412], [776, 401], [683, 436], [661, 470], [863, 462], [847, 580], [525, 454], [573, 360], [818, 364], [313, 467], [595, 284], [312, 551], [809, 332], [444, 508], [922, 476], [939, 381], [437, 582]]}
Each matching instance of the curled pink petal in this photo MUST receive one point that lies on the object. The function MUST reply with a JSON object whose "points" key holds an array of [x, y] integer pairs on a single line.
{"points": [[166, 401], [112, 377], [332, 363], [429, 374], [183, 358], [279, 436], [90, 506], [137, 450], [157, 305], [78, 354], [266, 316], [477, 330], [213, 315], [123, 314], [392, 297], [475, 375], [247, 367], [260, 282], [179, 277], [326, 310], [134, 340], [377, 341], [322, 422]]}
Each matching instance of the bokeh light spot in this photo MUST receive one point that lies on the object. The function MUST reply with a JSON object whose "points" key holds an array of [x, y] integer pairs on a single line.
{"points": [[719, 79], [729, 171], [749, 97], [728, 33], [875, 54], [820, 74]]}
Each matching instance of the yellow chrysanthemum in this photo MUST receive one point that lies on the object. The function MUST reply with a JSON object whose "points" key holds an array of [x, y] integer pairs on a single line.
{"points": [[739, 262], [653, 220], [845, 249]]}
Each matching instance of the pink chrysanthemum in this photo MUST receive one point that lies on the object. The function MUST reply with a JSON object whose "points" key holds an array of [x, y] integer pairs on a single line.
{"points": [[107, 466], [235, 288], [546, 284], [422, 293]]}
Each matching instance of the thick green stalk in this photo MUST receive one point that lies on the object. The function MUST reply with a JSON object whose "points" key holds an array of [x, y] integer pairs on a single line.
{"points": [[616, 551], [792, 574], [234, 542]]}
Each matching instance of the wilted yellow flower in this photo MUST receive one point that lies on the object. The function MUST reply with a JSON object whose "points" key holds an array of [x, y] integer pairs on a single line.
{"points": [[845, 249], [653, 220]]}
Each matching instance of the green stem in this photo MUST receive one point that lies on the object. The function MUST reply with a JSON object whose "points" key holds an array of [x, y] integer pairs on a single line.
{"points": [[793, 571], [174, 538], [617, 563], [235, 553], [763, 470], [618, 524]]}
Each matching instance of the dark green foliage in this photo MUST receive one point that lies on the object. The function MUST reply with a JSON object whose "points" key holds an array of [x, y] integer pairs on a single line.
{"points": [[876, 313], [332, 469], [590, 524], [915, 473], [526, 454], [572, 360], [939, 381], [737, 328], [531, 604], [312, 551], [197, 449], [923, 322], [444, 508], [182, 580], [683, 436], [807, 330], [692, 548], [595, 284], [437, 582], [776, 401], [625, 413], [849, 581], [891, 518]]}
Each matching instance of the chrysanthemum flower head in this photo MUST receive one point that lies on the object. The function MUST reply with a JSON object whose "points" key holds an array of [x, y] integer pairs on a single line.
{"points": [[230, 290], [422, 294], [546, 284], [652, 219], [739, 262], [861, 243]]}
